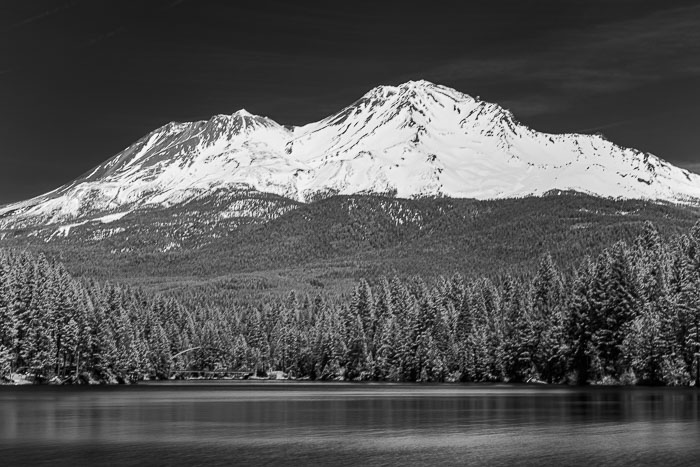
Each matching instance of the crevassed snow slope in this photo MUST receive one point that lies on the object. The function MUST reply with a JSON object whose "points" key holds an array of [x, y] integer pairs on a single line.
{"points": [[416, 139]]}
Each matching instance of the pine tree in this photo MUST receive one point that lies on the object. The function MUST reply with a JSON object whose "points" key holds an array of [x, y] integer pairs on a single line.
{"points": [[683, 285], [159, 351], [362, 309], [645, 344], [514, 357], [8, 324], [547, 323], [581, 323], [616, 297]]}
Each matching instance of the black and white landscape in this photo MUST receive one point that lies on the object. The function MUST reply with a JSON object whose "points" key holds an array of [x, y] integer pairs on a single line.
{"points": [[435, 277], [410, 164]]}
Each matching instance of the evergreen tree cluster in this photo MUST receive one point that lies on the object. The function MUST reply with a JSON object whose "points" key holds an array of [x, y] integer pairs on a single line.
{"points": [[54, 325], [630, 315]]}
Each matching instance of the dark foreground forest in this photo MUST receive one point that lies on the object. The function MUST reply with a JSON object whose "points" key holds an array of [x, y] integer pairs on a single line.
{"points": [[631, 315]]}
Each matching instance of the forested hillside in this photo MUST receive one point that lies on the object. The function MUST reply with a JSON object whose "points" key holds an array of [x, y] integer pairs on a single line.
{"points": [[329, 244], [629, 315]]}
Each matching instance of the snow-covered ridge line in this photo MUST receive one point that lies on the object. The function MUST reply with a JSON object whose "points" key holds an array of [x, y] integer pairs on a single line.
{"points": [[415, 139]]}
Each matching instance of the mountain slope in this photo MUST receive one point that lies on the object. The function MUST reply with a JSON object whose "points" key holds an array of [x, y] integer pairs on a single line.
{"points": [[332, 242], [413, 140]]}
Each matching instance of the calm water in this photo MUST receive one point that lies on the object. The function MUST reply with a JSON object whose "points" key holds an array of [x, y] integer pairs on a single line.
{"points": [[347, 424]]}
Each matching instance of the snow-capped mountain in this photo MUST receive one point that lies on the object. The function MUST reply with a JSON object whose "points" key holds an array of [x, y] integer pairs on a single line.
{"points": [[416, 139]]}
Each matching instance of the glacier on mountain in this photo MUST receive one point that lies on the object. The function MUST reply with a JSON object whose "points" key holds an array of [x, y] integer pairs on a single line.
{"points": [[415, 139]]}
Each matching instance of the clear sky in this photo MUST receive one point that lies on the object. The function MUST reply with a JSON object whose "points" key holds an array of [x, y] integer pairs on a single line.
{"points": [[81, 80]]}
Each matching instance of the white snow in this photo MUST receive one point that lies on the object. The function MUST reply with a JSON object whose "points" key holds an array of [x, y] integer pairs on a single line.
{"points": [[144, 150], [64, 230], [416, 139], [112, 217]]}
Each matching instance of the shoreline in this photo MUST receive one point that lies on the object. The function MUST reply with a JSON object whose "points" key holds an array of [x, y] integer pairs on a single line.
{"points": [[17, 380]]}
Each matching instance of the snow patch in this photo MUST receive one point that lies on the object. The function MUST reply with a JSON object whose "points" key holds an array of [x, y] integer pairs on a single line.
{"points": [[64, 230], [111, 217]]}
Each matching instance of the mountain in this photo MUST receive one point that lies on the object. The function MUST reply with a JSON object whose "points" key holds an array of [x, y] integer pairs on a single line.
{"points": [[414, 140]]}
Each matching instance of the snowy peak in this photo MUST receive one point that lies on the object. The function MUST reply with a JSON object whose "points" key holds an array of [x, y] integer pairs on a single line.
{"points": [[410, 101], [178, 142], [417, 106], [414, 139]]}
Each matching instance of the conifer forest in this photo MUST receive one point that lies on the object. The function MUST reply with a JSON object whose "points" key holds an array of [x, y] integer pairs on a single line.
{"points": [[630, 315]]}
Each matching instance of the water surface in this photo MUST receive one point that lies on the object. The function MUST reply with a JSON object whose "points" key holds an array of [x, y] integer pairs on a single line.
{"points": [[347, 424]]}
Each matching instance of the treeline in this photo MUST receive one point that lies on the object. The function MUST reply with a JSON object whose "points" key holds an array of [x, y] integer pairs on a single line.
{"points": [[631, 315], [374, 235]]}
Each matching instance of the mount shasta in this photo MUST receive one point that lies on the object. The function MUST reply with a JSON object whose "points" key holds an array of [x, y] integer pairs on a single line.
{"points": [[417, 139]]}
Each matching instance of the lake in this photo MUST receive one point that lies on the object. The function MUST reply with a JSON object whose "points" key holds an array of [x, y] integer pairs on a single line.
{"points": [[298, 423]]}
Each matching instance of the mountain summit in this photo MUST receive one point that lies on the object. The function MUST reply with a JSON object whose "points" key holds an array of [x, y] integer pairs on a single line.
{"points": [[412, 140]]}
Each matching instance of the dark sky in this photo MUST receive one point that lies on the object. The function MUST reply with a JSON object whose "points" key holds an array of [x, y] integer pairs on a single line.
{"points": [[81, 80]]}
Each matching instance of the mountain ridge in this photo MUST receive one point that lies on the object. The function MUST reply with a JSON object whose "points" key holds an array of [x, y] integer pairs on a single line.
{"points": [[412, 140]]}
